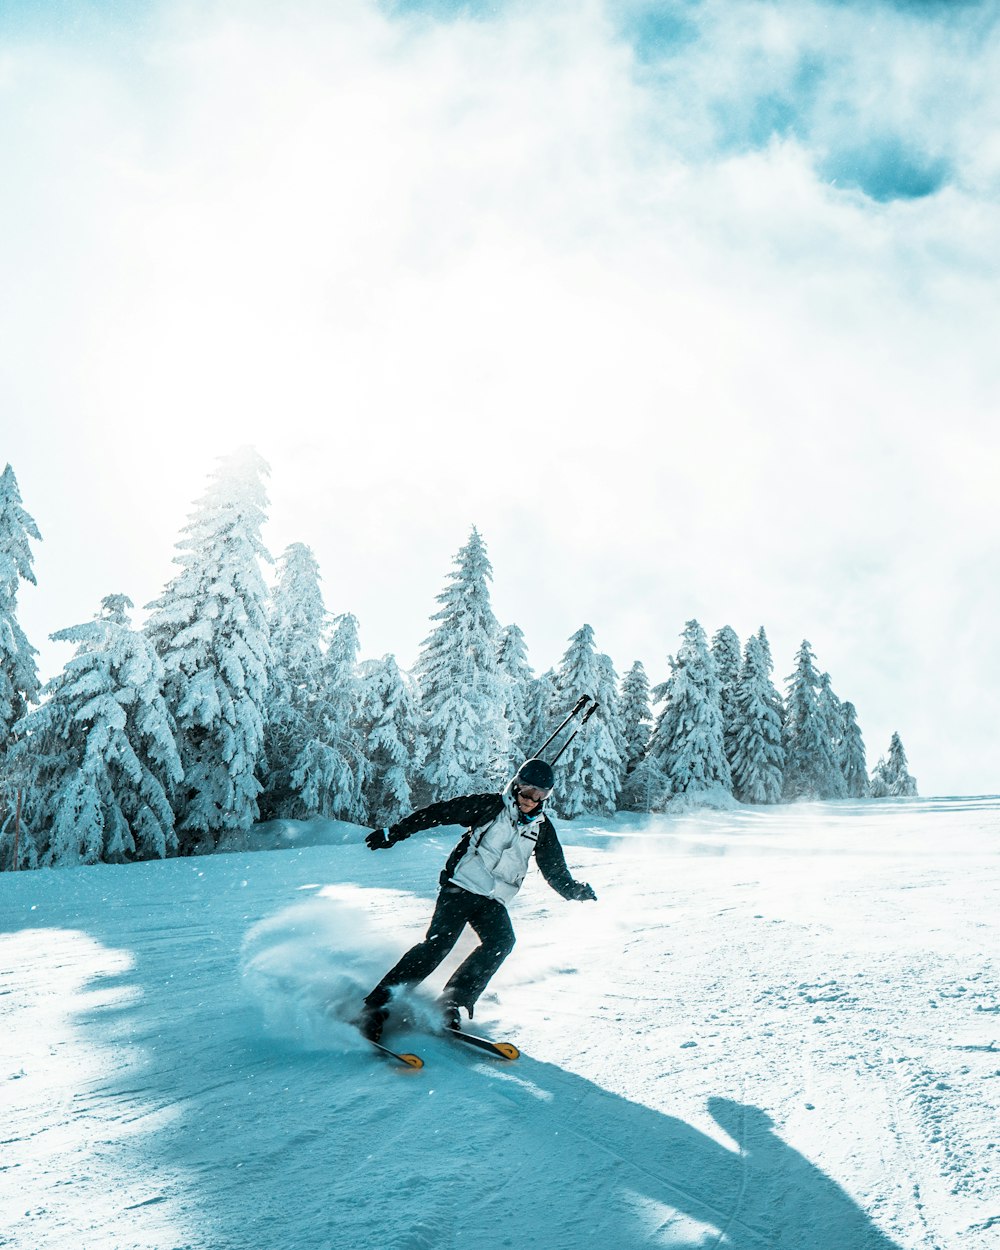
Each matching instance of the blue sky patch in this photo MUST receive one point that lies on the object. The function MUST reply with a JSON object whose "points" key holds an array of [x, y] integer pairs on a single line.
{"points": [[784, 109], [887, 170], [656, 32], [442, 10], [64, 17]]}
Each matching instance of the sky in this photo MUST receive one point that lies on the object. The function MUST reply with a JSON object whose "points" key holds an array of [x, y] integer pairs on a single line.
{"points": [[690, 308]]}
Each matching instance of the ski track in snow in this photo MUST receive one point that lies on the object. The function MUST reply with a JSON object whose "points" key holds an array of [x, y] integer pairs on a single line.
{"points": [[774, 1029]]}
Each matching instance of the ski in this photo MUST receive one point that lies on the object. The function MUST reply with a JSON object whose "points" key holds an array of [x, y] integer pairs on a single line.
{"points": [[503, 1050], [402, 1056]]}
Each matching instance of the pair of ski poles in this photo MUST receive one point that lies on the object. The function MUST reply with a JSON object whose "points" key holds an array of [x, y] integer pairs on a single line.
{"points": [[579, 707]]}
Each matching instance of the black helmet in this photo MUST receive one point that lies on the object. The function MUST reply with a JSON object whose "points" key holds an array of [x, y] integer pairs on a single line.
{"points": [[535, 773]]}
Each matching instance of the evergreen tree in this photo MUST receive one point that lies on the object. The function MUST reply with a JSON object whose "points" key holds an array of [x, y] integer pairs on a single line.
{"points": [[512, 660], [645, 788], [543, 712], [329, 773], [891, 778], [462, 690], [392, 739], [590, 773], [19, 685], [853, 765], [774, 699], [832, 711], [102, 749], [210, 628], [609, 709], [636, 716], [901, 784], [726, 656], [297, 622], [765, 647], [811, 768], [688, 745], [758, 758], [878, 787]]}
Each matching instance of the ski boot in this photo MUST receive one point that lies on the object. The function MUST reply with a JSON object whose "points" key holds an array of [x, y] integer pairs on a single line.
{"points": [[450, 1017], [371, 1022]]}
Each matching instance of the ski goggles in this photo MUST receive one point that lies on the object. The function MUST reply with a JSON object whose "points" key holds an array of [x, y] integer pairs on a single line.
{"points": [[532, 793]]}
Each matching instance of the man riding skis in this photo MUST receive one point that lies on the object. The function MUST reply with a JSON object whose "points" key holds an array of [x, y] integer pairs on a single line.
{"points": [[482, 874]]}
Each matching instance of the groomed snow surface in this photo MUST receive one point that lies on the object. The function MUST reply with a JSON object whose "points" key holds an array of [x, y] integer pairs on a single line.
{"points": [[776, 1028]]}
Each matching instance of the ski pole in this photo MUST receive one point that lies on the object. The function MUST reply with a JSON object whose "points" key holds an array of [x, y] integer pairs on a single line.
{"points": [[586, 717], [583, 700]]}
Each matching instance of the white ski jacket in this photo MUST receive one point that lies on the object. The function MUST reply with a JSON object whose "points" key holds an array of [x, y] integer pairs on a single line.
{"points": [[497, 858], [494, 855]]}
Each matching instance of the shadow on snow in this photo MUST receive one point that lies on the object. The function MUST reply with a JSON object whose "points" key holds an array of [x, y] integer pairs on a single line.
{"points": [[257, 1143]]}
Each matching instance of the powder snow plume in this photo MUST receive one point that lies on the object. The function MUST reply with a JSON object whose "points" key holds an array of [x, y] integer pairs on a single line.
{"points": [[308, 969]]}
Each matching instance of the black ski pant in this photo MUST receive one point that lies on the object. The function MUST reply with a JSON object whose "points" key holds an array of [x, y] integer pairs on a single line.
{"points": [[455, 909]]}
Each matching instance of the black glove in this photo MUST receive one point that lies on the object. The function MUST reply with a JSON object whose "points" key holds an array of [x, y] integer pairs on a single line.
{"points": [[379, 840], [584, 893]]}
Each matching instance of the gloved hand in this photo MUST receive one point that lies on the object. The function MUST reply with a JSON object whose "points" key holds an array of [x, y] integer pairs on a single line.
{"points": [[379, 840], [584, 893]]}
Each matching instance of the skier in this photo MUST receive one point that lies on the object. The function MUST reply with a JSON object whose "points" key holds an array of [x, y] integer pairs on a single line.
{"points": [[482, 875]]}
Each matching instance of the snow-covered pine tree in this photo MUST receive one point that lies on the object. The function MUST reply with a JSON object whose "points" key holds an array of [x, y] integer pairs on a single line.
{"points": [[463, 693], [832, 711], [878, 786], [645, 788], [610, 711], [210, 628], [901, 784], [891, 778], [589, 775], [392, 730], [853, 764], [329, 773], [512, 660], [687, 744], [297, 623], [880, 780], [725, 651], [636, 715], [811, 769], [543, 713], [19, 684], [101, 749], [758, 758], [774, 699]]}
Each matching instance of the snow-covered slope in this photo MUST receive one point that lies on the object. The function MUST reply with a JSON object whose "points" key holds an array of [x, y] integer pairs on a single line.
{"points": [[774, 1029]]}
